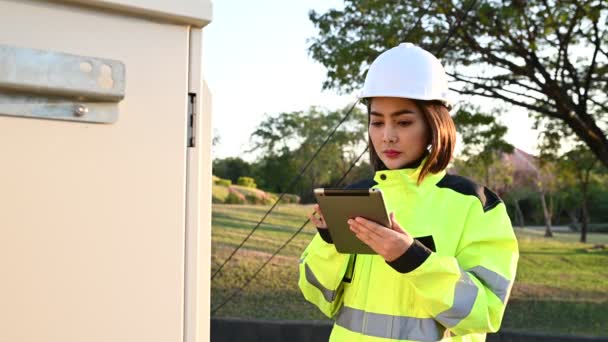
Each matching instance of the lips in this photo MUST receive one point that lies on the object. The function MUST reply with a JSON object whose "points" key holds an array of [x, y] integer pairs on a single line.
{"points": [[391, 153]]}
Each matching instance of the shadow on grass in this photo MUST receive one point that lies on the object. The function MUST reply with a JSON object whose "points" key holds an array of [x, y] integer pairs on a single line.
{"points": [[271, 304], [578, 251], [229, 221], [566, 317], [276, 213], [291, 250]]}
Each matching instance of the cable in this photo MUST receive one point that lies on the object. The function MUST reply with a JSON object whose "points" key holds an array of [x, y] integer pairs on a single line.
{"points": [[240, 289], [293, 182], [218, 271]]}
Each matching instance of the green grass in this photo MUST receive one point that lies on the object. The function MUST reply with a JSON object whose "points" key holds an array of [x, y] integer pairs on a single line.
{"points": [[219, 193], [561, 285], [274, 294]]}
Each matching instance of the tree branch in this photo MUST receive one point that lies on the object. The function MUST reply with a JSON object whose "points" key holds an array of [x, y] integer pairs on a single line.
{"points": [[494, 94], [603, 106], [597, 42], [564, 43], [508, 80], [470, 80]]}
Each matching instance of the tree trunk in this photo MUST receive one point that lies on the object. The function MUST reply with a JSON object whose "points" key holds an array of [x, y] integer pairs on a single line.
{"points": [[519, 214], [585, 211], [548, 231], [585, 220], [572, 215], [590, 133]]}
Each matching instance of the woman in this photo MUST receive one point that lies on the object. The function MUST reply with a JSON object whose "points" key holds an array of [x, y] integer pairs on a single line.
{"points": [[445, 268]]}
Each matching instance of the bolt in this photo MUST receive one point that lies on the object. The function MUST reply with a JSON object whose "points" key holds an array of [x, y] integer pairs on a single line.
{"points": [[80, 110]]}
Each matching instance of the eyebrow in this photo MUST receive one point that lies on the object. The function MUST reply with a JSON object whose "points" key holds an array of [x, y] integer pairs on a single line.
{"points": [[397, 113]]}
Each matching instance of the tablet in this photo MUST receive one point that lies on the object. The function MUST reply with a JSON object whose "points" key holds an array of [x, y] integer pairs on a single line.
{"points": [[339, 205]]}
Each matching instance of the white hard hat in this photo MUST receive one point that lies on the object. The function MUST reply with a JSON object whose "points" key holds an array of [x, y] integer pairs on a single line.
{"points": [[407, 71]]}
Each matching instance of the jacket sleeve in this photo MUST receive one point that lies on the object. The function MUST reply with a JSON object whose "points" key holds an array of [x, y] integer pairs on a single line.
{"points": [[467, 293], [321, 271]]}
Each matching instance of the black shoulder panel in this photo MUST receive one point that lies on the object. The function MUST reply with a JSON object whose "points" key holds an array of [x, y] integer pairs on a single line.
{"points": [[362, 184], [465, 186]]}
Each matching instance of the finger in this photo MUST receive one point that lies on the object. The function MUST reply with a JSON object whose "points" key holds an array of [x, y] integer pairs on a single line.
{"points": [[362, 235], [318, 211], [317, 208], [373, 227], [315, 220], [363, 231], [370, 241], [365, 234]]}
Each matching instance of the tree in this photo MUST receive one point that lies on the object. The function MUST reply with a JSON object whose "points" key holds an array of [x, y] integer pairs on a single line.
{"points": [[289, 140], [216, 138], [547, 186], [580, 164], [231, 168], [483, 139], [549, 57]]}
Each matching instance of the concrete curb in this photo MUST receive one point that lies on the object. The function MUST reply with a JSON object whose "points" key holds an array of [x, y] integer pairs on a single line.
{"points": [[247, 330]]}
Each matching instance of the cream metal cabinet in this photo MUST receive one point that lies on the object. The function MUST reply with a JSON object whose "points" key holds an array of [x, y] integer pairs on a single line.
{"points": [[104, 225]]}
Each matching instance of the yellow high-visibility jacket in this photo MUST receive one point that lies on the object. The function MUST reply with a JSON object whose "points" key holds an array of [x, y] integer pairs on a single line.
{"points": [[452, 284]]}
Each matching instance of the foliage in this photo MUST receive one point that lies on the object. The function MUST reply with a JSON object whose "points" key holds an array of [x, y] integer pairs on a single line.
{"points": [[576, 170], [289, 140], [247, 182], [234, 197], [216, 140], [484, 145], [290, 198], [231, 168], [543, 56], [223, 182], [219, 193]]}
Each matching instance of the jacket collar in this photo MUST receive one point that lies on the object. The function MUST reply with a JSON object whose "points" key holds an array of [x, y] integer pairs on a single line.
{"points": [[407, 176]]}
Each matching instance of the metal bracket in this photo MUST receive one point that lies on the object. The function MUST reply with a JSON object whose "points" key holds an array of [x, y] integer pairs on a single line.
{"points": [[51, 85]]}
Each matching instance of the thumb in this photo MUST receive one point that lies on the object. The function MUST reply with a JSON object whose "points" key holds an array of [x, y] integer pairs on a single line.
{"points": [[395, 225]]}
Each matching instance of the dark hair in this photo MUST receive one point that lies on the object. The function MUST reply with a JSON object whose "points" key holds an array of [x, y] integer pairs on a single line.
{"points": [[442, 139]]}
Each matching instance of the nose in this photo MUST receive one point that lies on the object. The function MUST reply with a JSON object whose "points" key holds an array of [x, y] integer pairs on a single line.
{"points": [[390, 136]]}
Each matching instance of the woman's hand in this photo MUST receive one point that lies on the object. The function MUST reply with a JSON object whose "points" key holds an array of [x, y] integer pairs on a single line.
{"points": [[318, 221], [390, 243]]}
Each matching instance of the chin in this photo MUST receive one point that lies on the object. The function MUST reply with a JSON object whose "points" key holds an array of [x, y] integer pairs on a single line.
{"points": [[394, 164]]}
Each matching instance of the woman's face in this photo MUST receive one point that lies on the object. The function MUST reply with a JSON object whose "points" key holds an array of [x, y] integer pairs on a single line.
{"points": [[398, 131]]}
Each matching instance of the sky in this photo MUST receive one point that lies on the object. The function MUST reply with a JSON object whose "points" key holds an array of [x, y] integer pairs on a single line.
{"points": [[256, 62]]}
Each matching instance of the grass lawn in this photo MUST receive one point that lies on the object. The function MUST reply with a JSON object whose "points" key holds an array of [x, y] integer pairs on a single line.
{"points": [[561, 285]]}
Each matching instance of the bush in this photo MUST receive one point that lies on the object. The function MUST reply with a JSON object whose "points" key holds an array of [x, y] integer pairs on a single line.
{"points": [[246, 182], [234, 197], [258, 199], [219, 193], [224, 182], [290, 198]]}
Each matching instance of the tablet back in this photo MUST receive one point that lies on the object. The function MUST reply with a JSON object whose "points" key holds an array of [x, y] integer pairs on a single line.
{"points": [[338, 205]]}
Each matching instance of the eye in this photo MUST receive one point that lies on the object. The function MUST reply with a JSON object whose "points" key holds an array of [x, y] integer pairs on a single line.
{"points": [[404, 123], [377, 123]]}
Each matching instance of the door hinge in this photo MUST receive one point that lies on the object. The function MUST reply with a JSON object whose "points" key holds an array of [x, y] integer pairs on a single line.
{"points": [[191, 140]]}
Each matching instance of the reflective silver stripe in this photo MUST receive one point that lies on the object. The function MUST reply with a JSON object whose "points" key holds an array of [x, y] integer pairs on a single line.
{"points": [[328, 294], [465, 294], [387, 326], [498, 284]]}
